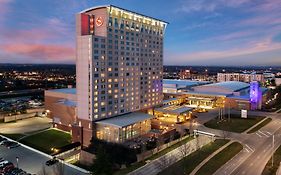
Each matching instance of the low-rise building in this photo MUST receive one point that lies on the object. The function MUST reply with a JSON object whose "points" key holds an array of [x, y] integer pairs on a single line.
{"points": [[232, 94]]}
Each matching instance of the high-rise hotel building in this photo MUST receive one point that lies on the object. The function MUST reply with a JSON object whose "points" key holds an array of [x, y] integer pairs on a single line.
{"points": [[119, 70]]}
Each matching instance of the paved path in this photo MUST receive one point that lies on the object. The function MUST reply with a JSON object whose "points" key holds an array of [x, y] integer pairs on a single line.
{"points": [[159, 164], [209, 157]]}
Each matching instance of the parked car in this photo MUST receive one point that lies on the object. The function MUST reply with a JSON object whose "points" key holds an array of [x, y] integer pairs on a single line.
{"points": [[13, 145], [51, 162], [7, 167], [10, 144], [2, 139]]}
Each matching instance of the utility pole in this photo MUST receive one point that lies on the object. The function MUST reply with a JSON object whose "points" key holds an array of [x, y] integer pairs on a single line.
{"points": [[228, 111], [272, 161]]}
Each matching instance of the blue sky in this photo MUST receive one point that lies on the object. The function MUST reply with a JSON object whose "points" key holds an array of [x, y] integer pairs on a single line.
{"points": [[200, 32]]}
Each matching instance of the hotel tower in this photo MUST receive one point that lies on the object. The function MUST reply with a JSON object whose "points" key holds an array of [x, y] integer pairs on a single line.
{"points": [[119, 72]]}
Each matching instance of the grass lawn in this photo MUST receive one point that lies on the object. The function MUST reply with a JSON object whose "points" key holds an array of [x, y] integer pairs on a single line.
{"points": [[13, 136], [186, 165], [48, 139], [236, 123], [262, 124], [268, 170], [220, 159], [155, 156]]}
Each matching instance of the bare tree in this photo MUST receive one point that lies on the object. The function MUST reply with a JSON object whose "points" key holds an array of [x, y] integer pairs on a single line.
{"points": [[43, 171], [58, 168], [164, 161], [184, 150]]}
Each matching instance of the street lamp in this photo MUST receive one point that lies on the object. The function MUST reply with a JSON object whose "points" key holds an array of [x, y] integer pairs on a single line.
{"points": [[17, 158]]}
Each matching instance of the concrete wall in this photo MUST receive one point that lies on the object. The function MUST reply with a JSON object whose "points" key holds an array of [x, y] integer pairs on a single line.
{"points": [[18, 117], [87, 158], [60, 113]]}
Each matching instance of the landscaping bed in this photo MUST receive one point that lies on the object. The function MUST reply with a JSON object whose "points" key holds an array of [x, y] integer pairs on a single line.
{"points": [[220, 159], [258, 127], [46, 140], [236, 123], [187, 165]]}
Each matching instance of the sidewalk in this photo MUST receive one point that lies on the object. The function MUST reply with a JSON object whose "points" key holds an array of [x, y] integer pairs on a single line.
{"points": [[209, 157]]}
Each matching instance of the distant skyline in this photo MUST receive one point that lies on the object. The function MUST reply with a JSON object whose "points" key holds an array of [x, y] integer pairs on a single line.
{"points": [[200, 32]]}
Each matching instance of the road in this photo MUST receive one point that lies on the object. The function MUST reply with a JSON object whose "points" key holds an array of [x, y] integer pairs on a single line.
{"points": [[159, 164], [26, 125], [33, 162], [257, 147]]}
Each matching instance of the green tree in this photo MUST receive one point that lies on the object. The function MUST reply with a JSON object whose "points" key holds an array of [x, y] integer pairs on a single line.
{"points": [[102, 164]]}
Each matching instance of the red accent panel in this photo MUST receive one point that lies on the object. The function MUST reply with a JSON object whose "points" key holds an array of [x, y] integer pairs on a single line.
{"points": [[85, 24]]}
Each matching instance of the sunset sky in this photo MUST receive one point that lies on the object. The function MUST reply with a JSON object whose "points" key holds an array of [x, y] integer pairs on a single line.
{"points": [[200, 32]]}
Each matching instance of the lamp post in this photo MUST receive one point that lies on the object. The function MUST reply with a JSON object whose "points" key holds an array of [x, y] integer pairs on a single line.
{"points": [[17, 158]]}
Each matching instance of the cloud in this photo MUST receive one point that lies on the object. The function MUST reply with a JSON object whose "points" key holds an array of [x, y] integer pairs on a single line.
{"points": [[39, 51], [189, 6], [4, 4], [255, 47], [51, 41]]}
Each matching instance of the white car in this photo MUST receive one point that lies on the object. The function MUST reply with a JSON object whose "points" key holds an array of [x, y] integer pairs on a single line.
{"points": [[4, 162]]}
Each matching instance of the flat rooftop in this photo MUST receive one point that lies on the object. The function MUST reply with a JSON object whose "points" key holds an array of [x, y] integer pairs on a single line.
{"points": [[230, 85], [174, 109], [211, 94], [184, 82], [69, 103], [65, 90], [126, 119], [169, 100]]}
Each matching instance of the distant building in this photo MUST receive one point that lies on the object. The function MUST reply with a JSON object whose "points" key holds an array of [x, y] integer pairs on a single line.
{"points": [[243, 77], [278, 81], [185, 74], [230, 94], [176, 86]]}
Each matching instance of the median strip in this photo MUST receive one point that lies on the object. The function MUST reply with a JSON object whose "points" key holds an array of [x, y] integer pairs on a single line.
{"points": [[220, 159], [258, 126], [189, 163]]}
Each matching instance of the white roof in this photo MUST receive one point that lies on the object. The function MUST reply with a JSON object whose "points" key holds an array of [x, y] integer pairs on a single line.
{"points": [[66, 102], [126, 119], [65, 90], [229, 85], [174, 109]]}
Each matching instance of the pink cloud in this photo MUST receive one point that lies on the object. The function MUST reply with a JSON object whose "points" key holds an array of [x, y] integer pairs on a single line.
{"points": [[26, 35], [39, 51]]}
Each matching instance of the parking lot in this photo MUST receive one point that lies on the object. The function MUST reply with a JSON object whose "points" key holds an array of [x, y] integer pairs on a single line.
{"points": [[34, 163], [26, 125]]}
